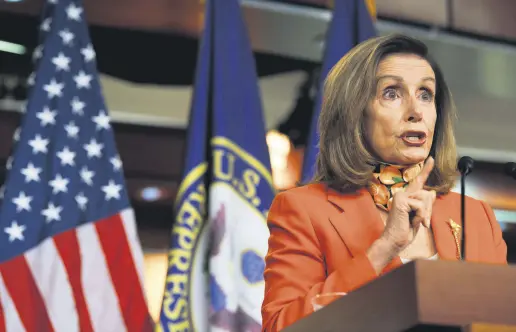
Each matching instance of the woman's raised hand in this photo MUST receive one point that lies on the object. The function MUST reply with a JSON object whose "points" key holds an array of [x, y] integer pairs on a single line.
{"points": [[410, 209]]}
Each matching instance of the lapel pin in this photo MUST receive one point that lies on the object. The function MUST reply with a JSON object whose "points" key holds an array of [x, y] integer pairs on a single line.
{"points": [[456, 231]]}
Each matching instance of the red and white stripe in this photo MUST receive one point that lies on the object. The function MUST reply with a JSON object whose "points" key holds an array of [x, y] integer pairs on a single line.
{"points": [[86, 279]]}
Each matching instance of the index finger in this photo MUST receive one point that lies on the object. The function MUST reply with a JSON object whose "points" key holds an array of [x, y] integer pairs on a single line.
{"points": [[419, 181]]}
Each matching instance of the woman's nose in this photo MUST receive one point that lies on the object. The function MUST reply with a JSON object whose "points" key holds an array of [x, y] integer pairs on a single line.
{"points": [[414, 111]]}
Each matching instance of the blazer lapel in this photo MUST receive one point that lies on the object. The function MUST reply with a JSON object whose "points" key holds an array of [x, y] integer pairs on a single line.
{"points": [[446, 211], [444, 216], [358, 223]]}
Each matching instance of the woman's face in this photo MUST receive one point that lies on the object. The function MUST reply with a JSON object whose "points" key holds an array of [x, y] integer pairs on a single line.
{"points": [[400, 120]]}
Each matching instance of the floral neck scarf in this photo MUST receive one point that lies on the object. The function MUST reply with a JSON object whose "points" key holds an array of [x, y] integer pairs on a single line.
{"points": [[389, 179]]}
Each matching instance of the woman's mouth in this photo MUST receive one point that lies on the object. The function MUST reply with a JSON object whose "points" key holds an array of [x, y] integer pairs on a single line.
{"points": [[414, 138]]}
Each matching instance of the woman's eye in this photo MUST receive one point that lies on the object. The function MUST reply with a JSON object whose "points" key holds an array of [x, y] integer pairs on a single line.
{"points": [[390, 93], [427, 96]]}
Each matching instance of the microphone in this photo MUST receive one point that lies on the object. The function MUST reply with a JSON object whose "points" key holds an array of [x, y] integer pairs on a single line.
{"points": [[510, 169], [465, 167]]}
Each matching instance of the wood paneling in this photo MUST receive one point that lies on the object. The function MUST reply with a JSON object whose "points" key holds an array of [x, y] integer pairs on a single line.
{"points": [[177, 15], [433, 12], [492, 18], [485, 17]]}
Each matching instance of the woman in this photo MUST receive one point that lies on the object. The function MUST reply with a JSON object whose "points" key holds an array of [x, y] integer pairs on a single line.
{"points": [[381, 194]]}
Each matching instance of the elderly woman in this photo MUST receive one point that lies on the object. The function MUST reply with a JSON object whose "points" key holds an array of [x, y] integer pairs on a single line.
{"points": [[381, 194]]}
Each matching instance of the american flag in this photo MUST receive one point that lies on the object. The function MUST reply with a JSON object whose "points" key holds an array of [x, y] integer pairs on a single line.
{"points": [[70, 257]]}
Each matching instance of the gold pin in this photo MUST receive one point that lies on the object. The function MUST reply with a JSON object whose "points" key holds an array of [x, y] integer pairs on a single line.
{"points": [[456, 231]]}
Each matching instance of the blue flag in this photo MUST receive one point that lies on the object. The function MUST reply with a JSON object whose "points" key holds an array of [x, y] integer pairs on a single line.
{"points": [[219, 239], [351, 24]]}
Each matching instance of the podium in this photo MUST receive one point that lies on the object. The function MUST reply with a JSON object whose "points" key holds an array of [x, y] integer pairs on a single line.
{"points": [[425, 296]]}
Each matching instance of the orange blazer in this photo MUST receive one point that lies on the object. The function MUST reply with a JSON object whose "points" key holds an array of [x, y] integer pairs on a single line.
{"points": [[318, 242]]}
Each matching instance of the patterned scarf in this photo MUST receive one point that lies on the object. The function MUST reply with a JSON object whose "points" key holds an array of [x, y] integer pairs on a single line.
{"points": [[389, 179]]}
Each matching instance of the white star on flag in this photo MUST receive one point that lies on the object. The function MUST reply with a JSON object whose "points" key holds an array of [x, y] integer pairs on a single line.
{"points": [[116, 162], [67, 157], [31, 173], [73, 12], [15, 231], [38, 52], [72, 130], [52, 212], [59, 184], [82, 80], [112, 190], [77, 106], [31, 78], [45, 25], [54, 89], [87, 176], [66, 36], [39, 144], [22, 202], [47, 117], [81, 201], [94, 149], [61, 62], [9, 163], [102, 120], [16, 135], [88, 53]]}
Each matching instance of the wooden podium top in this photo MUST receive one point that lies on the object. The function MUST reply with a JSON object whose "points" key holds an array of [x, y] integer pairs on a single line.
{"points": [[422, 296]]}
